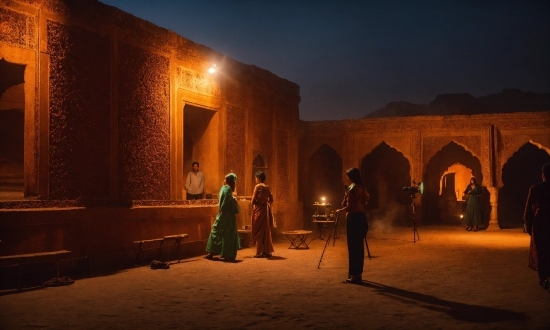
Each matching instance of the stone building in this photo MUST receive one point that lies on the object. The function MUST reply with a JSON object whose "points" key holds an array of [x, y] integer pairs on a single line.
{"points": [[504, 152], [102, 114]]}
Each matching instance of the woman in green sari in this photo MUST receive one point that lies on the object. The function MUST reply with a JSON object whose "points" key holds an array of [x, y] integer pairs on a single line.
{"points": [[473, 205], [224, 238]]}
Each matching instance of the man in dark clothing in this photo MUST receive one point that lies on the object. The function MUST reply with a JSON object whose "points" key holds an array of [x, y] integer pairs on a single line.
{"points": [[537, 224]]}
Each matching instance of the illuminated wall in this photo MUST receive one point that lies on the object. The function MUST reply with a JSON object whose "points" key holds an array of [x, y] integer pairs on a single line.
{"points": [[103, 97]]}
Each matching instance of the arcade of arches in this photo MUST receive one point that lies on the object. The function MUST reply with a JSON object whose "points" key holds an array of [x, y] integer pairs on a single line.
{"points": [[504, 152]]}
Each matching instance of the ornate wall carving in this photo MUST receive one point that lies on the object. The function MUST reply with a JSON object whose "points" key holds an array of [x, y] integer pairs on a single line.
{"points": [[283, 174], [197, 82], [432, 144], [17, 29], [416, 154], [144, 124], [79, 113], [485, 156], [235, 92], [235, 141]]}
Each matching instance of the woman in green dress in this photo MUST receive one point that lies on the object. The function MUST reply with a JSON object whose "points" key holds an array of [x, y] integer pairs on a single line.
{"points": [[224, 238], [473, 205]]}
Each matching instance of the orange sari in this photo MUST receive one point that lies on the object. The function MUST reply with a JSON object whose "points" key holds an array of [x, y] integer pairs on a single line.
{"points": [[262, 218]]}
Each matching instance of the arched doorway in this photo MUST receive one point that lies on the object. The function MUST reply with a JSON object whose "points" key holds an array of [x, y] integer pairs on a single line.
{"points": [[520, 172], [385, 171], [324, 179], [12, 120], [441, 183], [452, 185]]}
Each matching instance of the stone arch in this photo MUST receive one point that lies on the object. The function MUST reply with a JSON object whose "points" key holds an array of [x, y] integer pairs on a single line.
{"points": [[258, 162], [469, 144], [512, 144], [323, 177], [385, 171], [432, 203], [521, 171]]}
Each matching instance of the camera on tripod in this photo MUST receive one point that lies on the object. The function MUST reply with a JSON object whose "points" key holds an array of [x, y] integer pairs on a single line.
{"points": [[416, 188]]}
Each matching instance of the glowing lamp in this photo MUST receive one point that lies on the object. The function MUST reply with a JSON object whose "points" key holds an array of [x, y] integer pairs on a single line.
{"points": [[212, 69]]}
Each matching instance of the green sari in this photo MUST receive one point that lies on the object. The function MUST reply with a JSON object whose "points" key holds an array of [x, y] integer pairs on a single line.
{"points": [[473, 206], [224, 238]]}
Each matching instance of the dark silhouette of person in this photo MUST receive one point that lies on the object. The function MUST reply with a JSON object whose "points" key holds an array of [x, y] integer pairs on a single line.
{"points": [[537, 225]]}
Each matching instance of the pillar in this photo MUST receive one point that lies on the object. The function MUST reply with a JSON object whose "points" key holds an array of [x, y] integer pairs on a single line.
{"points": [[493, 200]]}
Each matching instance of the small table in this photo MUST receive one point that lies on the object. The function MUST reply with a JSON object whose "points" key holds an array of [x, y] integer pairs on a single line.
{"points": [[324, 227], [297, 238]]}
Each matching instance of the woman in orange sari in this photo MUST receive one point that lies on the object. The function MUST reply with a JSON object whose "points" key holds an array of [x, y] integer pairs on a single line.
{"points": [[262, 217]]}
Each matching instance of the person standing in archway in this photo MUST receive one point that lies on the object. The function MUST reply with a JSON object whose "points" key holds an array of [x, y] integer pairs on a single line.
{"points": [[262, 217], [473, 205], [537, 224], [194, 184]]}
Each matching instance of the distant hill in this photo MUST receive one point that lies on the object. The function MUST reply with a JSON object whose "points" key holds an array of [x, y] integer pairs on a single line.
{"points": [[509, 100]]}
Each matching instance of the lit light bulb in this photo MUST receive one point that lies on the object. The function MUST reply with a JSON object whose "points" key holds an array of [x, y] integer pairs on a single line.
{"points": [[212, 69]]}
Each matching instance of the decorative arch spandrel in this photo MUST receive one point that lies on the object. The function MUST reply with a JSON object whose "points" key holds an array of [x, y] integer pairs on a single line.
{"points": [[511, 144], [362, 153], [433, 144], [315, 145]]}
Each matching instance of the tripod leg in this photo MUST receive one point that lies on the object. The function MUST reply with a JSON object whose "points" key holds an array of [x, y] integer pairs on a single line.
{"points": [[322, 254], [415, 234], [334, 234], [367, 245]]}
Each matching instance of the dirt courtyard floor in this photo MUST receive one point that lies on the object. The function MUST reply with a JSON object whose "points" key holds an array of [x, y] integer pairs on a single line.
{"points": [[449, 279]]}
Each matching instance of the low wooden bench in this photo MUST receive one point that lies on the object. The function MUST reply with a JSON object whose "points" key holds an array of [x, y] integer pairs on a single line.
{"points": [[177, 242], [29, 258]]}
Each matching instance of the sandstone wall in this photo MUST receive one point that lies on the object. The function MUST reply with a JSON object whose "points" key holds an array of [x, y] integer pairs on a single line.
{"points": [[104, 127]]}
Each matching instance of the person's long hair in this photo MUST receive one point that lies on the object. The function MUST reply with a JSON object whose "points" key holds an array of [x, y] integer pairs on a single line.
{"points": [[261, 176], [230, 180], [354, 175]]}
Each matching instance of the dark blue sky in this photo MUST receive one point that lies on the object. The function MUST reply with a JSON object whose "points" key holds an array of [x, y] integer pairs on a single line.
{"points": [[353, 57]]}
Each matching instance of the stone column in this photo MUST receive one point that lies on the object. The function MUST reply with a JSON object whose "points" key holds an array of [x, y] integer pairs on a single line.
{"points": [[493, 221]]}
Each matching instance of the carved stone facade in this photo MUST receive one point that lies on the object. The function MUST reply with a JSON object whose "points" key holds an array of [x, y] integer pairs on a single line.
{"points": [[197, 82], [115, 111], [17, 28]]}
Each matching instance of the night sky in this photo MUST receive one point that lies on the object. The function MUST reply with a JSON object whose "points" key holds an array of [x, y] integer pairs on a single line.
{"points": [[353, 57]]}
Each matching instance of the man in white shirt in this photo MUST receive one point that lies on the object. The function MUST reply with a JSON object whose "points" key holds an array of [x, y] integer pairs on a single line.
{"points": [[195, 183]]}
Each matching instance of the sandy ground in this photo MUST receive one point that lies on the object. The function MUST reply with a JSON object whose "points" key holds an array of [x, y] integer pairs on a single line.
{"points": [[450, 279]]}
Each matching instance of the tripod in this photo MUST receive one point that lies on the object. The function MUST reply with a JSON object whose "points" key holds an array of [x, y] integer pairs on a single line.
{"points": [[415, 231], [367, 245], [330, 235]]}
